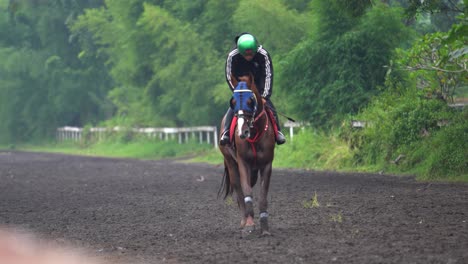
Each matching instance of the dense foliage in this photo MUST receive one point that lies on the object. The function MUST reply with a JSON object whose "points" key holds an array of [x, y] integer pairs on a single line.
{"points": [[411, 126], [161, 63], [43, 84], [337, 71]]}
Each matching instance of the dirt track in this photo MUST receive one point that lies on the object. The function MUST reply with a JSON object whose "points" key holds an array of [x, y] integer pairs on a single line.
{"points": [[168, 212]]}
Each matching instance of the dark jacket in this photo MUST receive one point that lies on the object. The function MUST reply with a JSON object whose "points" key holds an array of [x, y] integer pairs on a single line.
{"points": [[261, 67]]}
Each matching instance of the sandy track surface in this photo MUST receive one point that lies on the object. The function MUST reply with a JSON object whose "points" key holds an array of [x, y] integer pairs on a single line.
{"points": [[133, 211]]}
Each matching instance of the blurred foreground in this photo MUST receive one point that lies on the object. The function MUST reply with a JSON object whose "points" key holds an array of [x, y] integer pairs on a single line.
{"points": [[19, 247]]}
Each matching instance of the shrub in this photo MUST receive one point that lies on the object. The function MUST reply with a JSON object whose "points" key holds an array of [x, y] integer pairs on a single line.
{"points": [[431, 136], [444, 154]]}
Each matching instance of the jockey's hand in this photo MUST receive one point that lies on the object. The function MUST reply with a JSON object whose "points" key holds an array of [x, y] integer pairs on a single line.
{"points": [[264, 101]]}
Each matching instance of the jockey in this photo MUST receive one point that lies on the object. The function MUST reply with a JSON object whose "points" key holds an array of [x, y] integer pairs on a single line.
{"points": [[245, 58]]}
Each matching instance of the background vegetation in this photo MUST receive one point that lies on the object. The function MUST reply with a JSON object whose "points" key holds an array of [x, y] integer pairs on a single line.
{"points": [[396, 64]]}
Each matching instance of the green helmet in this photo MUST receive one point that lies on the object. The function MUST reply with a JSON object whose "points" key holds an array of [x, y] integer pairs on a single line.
{"points": [[247, 44]]}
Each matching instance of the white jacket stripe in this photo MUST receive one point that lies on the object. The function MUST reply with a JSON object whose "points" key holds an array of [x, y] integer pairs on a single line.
{"points": [[229, 67], [267, 88]]}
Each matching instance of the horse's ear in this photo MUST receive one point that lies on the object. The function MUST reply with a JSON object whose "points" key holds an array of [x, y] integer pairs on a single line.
{"points": [[252, 82], [234, 80], [252, 78]]}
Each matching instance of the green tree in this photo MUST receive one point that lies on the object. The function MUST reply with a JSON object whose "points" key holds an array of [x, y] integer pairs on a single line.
{"points": [[299, 5], [44, 83], [276, 26], [412, 117], [216, 24], [178, 89], [431, 15], [438, 61], [337, 71], [162, 66]]}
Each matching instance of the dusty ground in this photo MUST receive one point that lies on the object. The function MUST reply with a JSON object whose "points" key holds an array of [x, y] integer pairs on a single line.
{"points": [[168, 212]]}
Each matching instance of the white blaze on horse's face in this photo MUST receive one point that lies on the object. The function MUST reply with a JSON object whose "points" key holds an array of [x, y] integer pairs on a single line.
{"points": [[242, 130]]}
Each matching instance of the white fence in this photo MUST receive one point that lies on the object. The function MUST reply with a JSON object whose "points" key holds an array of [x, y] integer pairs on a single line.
{"points": [[203, 134], [291, 126]]}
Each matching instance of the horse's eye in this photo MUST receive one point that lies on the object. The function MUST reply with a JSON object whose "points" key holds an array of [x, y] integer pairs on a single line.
{"points": [[251, 102]]}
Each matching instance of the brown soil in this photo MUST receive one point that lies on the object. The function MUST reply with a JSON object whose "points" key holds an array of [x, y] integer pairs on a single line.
{"points": [[168, 212]]}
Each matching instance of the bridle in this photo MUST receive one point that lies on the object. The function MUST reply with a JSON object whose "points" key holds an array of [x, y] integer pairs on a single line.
{"points": [[251, 119], [245, 108], [260, 132]]}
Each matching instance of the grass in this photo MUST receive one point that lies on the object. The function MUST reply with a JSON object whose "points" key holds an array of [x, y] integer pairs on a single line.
{"points": [[309, 149], [314, 150], [139, 148], [312, 203], [229, 201], [337, 218]]}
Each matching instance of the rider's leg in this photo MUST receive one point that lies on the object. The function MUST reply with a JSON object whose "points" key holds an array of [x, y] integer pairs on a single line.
{"points": [[224, 139], [280, 138]]}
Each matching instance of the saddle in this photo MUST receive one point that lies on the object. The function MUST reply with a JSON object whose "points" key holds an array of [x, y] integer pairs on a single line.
{"points": [[272, 118]]}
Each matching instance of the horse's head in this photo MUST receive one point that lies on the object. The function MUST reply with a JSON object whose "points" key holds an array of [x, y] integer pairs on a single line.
{"points": [[244, 103]]}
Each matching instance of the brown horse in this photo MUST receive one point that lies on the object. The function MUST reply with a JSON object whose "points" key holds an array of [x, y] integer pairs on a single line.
{"points": [[250, 153]]}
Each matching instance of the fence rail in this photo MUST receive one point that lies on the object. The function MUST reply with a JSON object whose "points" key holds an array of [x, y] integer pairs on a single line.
{"points": [[208, 134]]}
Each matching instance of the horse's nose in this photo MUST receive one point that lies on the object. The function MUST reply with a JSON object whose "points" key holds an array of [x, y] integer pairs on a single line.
{"points": [[245, 134]]}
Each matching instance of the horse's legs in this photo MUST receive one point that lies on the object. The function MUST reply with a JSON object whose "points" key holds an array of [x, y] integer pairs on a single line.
{"points": [[234, 180], [263, 202], [244, 173], [240, 202]]}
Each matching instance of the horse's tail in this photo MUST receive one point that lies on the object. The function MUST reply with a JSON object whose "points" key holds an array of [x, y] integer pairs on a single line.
{"points": [[225, 184]]}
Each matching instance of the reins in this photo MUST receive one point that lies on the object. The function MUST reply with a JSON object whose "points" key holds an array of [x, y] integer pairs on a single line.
{"points": [[258, 136], [260, 132]]}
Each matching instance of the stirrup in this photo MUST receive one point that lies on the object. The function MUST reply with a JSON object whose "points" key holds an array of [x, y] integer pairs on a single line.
{"points": [[280, 139]]}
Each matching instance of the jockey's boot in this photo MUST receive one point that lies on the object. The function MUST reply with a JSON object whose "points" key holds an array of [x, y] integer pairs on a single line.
{"points": [[280, 138], [224, 139]]}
